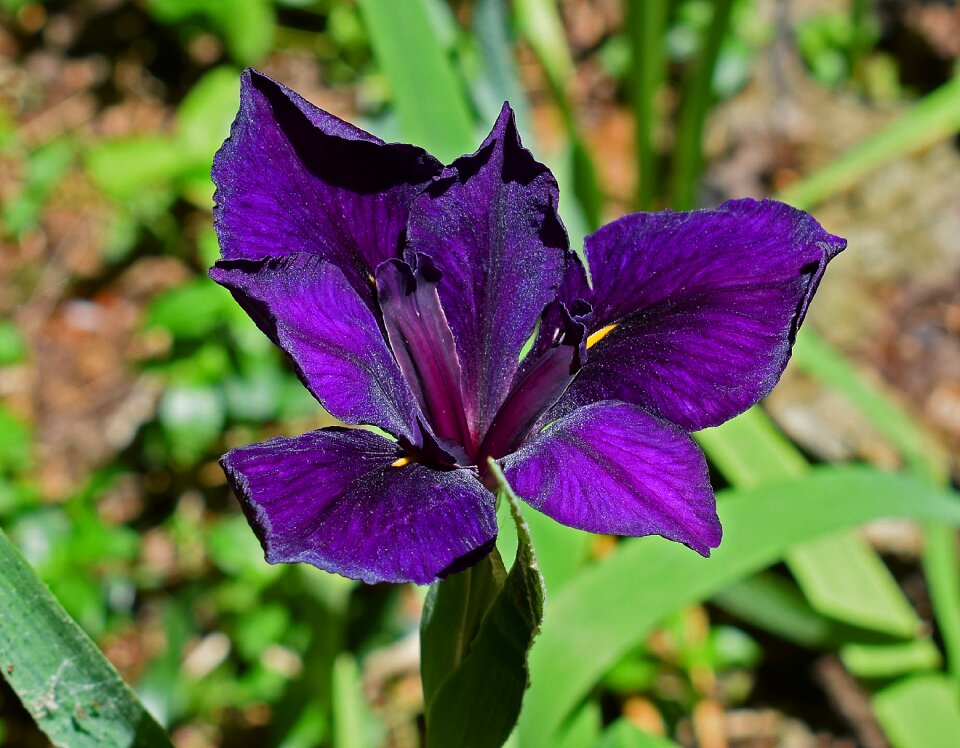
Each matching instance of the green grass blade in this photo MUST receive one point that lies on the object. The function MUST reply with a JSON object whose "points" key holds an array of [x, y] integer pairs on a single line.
{"points": [[650, 579], [921, 712], [646, 28], [840, 576], [890, 660], [812, 355], [428, 96], [540, 23], [695, 105], [934, 118], [922, 454], [69, 688], [774, 604]]}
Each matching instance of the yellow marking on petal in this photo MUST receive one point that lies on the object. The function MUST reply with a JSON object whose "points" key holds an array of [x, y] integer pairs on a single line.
{"points": [[401, 462], [599, 335], [371, 280]]}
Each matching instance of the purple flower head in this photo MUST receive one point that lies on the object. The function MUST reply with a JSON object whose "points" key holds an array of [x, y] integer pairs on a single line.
{"points": [[444, 306]]}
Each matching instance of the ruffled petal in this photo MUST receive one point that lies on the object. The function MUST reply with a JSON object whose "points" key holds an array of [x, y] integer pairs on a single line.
{"points": [[293, 178], [694, 314], [611, 467], [490, 224], [309, 310], [333, 498]]}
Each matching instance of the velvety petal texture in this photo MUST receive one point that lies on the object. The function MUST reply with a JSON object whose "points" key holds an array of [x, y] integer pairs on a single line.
{"points": [[694, 314], [444, 306], [308, 308], [613, 468], [335, 499], [490, 224], [293, 178]]}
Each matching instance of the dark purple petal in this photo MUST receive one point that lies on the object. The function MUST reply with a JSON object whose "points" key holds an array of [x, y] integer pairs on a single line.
{"points": [[490, 224], [309, 309], [613, 468], [335, 499], [705, 306], [293, 178], [539, 384], [423, 345]]}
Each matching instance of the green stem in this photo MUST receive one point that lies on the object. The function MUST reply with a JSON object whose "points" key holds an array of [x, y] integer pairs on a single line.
{"points": [[694, 108], [646, 28]]}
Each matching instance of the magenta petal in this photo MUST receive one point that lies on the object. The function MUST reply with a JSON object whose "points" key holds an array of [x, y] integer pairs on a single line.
{"points": [[293, 178], [333, 498], [706, 304], [309, 309], [491, 226], [613, 468]]}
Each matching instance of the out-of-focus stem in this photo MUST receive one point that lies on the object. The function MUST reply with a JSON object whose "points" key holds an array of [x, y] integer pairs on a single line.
{"points": [[695, 105], [646, 28]]}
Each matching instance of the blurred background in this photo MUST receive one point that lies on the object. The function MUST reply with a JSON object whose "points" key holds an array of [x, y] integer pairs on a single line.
{"points": [[125, 373]]}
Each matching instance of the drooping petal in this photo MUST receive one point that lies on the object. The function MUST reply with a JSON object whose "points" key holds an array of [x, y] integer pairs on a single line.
{"points": [[293, 178], [490, 224], [309, 310], [423, 344], [695, 313], [334, 499], [611, 467]]}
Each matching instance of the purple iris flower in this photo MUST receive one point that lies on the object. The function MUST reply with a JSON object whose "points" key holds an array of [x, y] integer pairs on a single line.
{"points": [[444, 306]]}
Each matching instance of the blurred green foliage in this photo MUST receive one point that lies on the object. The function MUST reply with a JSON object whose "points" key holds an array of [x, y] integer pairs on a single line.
{"points": [[175, 588]]}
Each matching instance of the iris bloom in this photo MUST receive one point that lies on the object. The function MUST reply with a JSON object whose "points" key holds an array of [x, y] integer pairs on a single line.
{"points": [[443, 305]]}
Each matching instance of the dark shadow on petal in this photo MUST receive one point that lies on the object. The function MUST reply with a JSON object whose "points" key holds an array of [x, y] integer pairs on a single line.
{"points": [[468, 560]]}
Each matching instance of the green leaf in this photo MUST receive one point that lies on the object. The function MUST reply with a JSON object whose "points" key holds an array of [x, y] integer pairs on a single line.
{"points": [[430, 100], [841, 576], [621, 734], [890, 660], [248, 27], [12, 348], [452, 614], [652, 578], [934, 118], [921, 712], [121, 168], [65, 683], [477, 704], [204, 116], [351, 717], [774, 604]]}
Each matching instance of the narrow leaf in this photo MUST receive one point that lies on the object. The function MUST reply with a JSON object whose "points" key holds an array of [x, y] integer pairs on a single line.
{"points": [[477, 705], [430, 101], [934, 118], [651, 579], [69, 688], [921, 712]]}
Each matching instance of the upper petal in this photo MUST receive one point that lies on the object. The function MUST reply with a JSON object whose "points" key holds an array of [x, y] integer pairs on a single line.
{"points": [[333, 498], [613, 468], [490, 224], [308, 308], [293, 178], [705, 305]]}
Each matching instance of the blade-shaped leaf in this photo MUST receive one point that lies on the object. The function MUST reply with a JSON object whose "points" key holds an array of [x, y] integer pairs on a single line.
{"points": [[920, 712], [72, 691], [588, 630], [430, 101], [476, 705]]}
